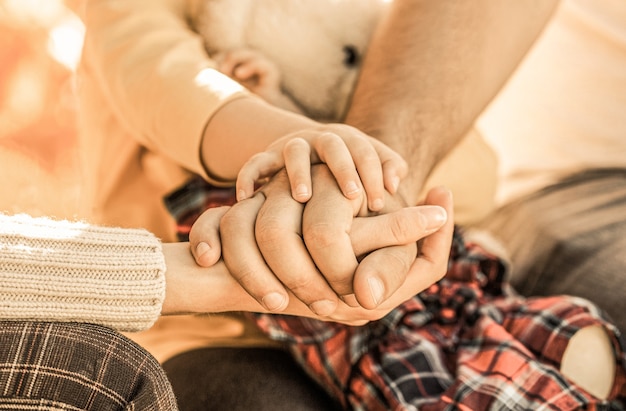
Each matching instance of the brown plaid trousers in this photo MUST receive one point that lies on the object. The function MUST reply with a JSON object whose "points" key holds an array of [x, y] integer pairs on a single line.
{"points": [[71, 366]]}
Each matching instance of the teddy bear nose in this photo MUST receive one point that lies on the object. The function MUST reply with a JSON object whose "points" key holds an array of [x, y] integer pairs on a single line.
{"points": [[351, 56]]}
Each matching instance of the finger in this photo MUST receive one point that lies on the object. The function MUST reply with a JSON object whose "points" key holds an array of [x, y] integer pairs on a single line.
{"points": [[407, 225], [255, 67], [391, 177], [260, 165], [204, 237], [368, 165], [326, 226], [278, 233], [333, 151], [263, 69], [386, 270], [434, 250], [394, 167], [228, 61], [244, 259], [245, 71], [297, 156], [226, 64]]}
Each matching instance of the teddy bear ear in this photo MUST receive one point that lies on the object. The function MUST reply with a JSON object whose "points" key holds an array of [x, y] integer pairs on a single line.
{"points": [[351, 56]]}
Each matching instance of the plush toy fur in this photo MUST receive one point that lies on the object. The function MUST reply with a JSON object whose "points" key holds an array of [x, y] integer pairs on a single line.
{"points": [[317, 45]]}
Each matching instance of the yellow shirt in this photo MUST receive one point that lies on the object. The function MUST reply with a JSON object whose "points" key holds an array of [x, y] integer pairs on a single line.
{"points": [[147, 90]]}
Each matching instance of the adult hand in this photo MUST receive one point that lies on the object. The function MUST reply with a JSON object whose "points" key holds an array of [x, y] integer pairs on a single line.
{"points": [[429, 266], [336, 239]]}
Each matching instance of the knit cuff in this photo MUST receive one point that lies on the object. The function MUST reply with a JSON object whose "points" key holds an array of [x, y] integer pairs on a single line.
{"points": [[71, 271]]}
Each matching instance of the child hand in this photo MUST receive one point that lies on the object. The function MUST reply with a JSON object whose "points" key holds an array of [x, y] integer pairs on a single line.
{"points": [[356, 161], [258, 74]]}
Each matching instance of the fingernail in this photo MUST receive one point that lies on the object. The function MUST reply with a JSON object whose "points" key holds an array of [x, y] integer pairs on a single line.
{"points": [[433, 217], [376, 289], [395, 183], [274, 301], [323, 308], [241, 195], [202, 249], [302, 191], [377, 204], [352, 188]]}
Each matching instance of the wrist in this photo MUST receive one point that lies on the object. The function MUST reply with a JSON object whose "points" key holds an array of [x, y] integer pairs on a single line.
{"points": [[191, 289], [241, 128]]}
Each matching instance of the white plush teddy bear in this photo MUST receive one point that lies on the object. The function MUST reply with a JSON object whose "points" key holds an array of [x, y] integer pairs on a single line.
{"points": [[302, 55]]}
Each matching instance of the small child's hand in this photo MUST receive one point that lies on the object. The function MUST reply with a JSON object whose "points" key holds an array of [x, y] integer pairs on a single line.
{"points": [[258, 74], [356, 160]]}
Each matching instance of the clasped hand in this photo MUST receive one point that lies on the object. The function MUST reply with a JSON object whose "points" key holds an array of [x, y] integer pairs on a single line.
{"points": [[329, 258]]}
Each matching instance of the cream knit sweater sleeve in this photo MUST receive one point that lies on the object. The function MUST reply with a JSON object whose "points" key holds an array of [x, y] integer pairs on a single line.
{"points": [[71, 271]]}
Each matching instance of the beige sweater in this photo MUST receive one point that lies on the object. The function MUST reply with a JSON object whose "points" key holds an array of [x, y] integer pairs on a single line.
{"points": [[71, 271]]}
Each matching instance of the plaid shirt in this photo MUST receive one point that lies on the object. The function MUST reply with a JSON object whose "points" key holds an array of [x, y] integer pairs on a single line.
{"points": [[469, 342]]}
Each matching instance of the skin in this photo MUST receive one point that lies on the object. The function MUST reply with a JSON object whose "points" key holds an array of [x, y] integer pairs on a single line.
{"points": [[359, 163], [375, 163], [471, 65], [195, 289], [456, 56]]}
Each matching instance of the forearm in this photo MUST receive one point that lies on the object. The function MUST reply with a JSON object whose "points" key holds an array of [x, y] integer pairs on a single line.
{"points": [[190, 288], [193, 289], [432, 67], [242, 128]]}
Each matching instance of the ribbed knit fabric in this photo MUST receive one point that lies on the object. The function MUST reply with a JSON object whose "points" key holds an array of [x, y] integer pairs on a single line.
{"points": [[71, 271]]}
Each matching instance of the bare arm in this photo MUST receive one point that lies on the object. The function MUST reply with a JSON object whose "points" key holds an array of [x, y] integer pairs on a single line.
{"points": [[432, 67], [242, 128]]}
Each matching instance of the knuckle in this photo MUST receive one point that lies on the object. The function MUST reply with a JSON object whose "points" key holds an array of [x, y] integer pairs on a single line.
{"points": [[344, 169], [399, 229], [341, 286], [330, 140], [296, 142], [396, 265], [230, 221], [245, 274], [321, 236], [301, 286], [269, 235]]}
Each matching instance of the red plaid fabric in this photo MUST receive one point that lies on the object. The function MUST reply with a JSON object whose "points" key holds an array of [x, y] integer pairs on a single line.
{"points": [[189, 201], [467, 343]]}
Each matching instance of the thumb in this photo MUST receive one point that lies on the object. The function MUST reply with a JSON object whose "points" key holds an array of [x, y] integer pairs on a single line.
{"points": [[404, 226], [204, 237]]}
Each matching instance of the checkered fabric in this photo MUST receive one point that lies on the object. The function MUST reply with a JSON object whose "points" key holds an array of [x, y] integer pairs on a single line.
{"points": [[70, 366], [189, 201], [466, 343]]}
